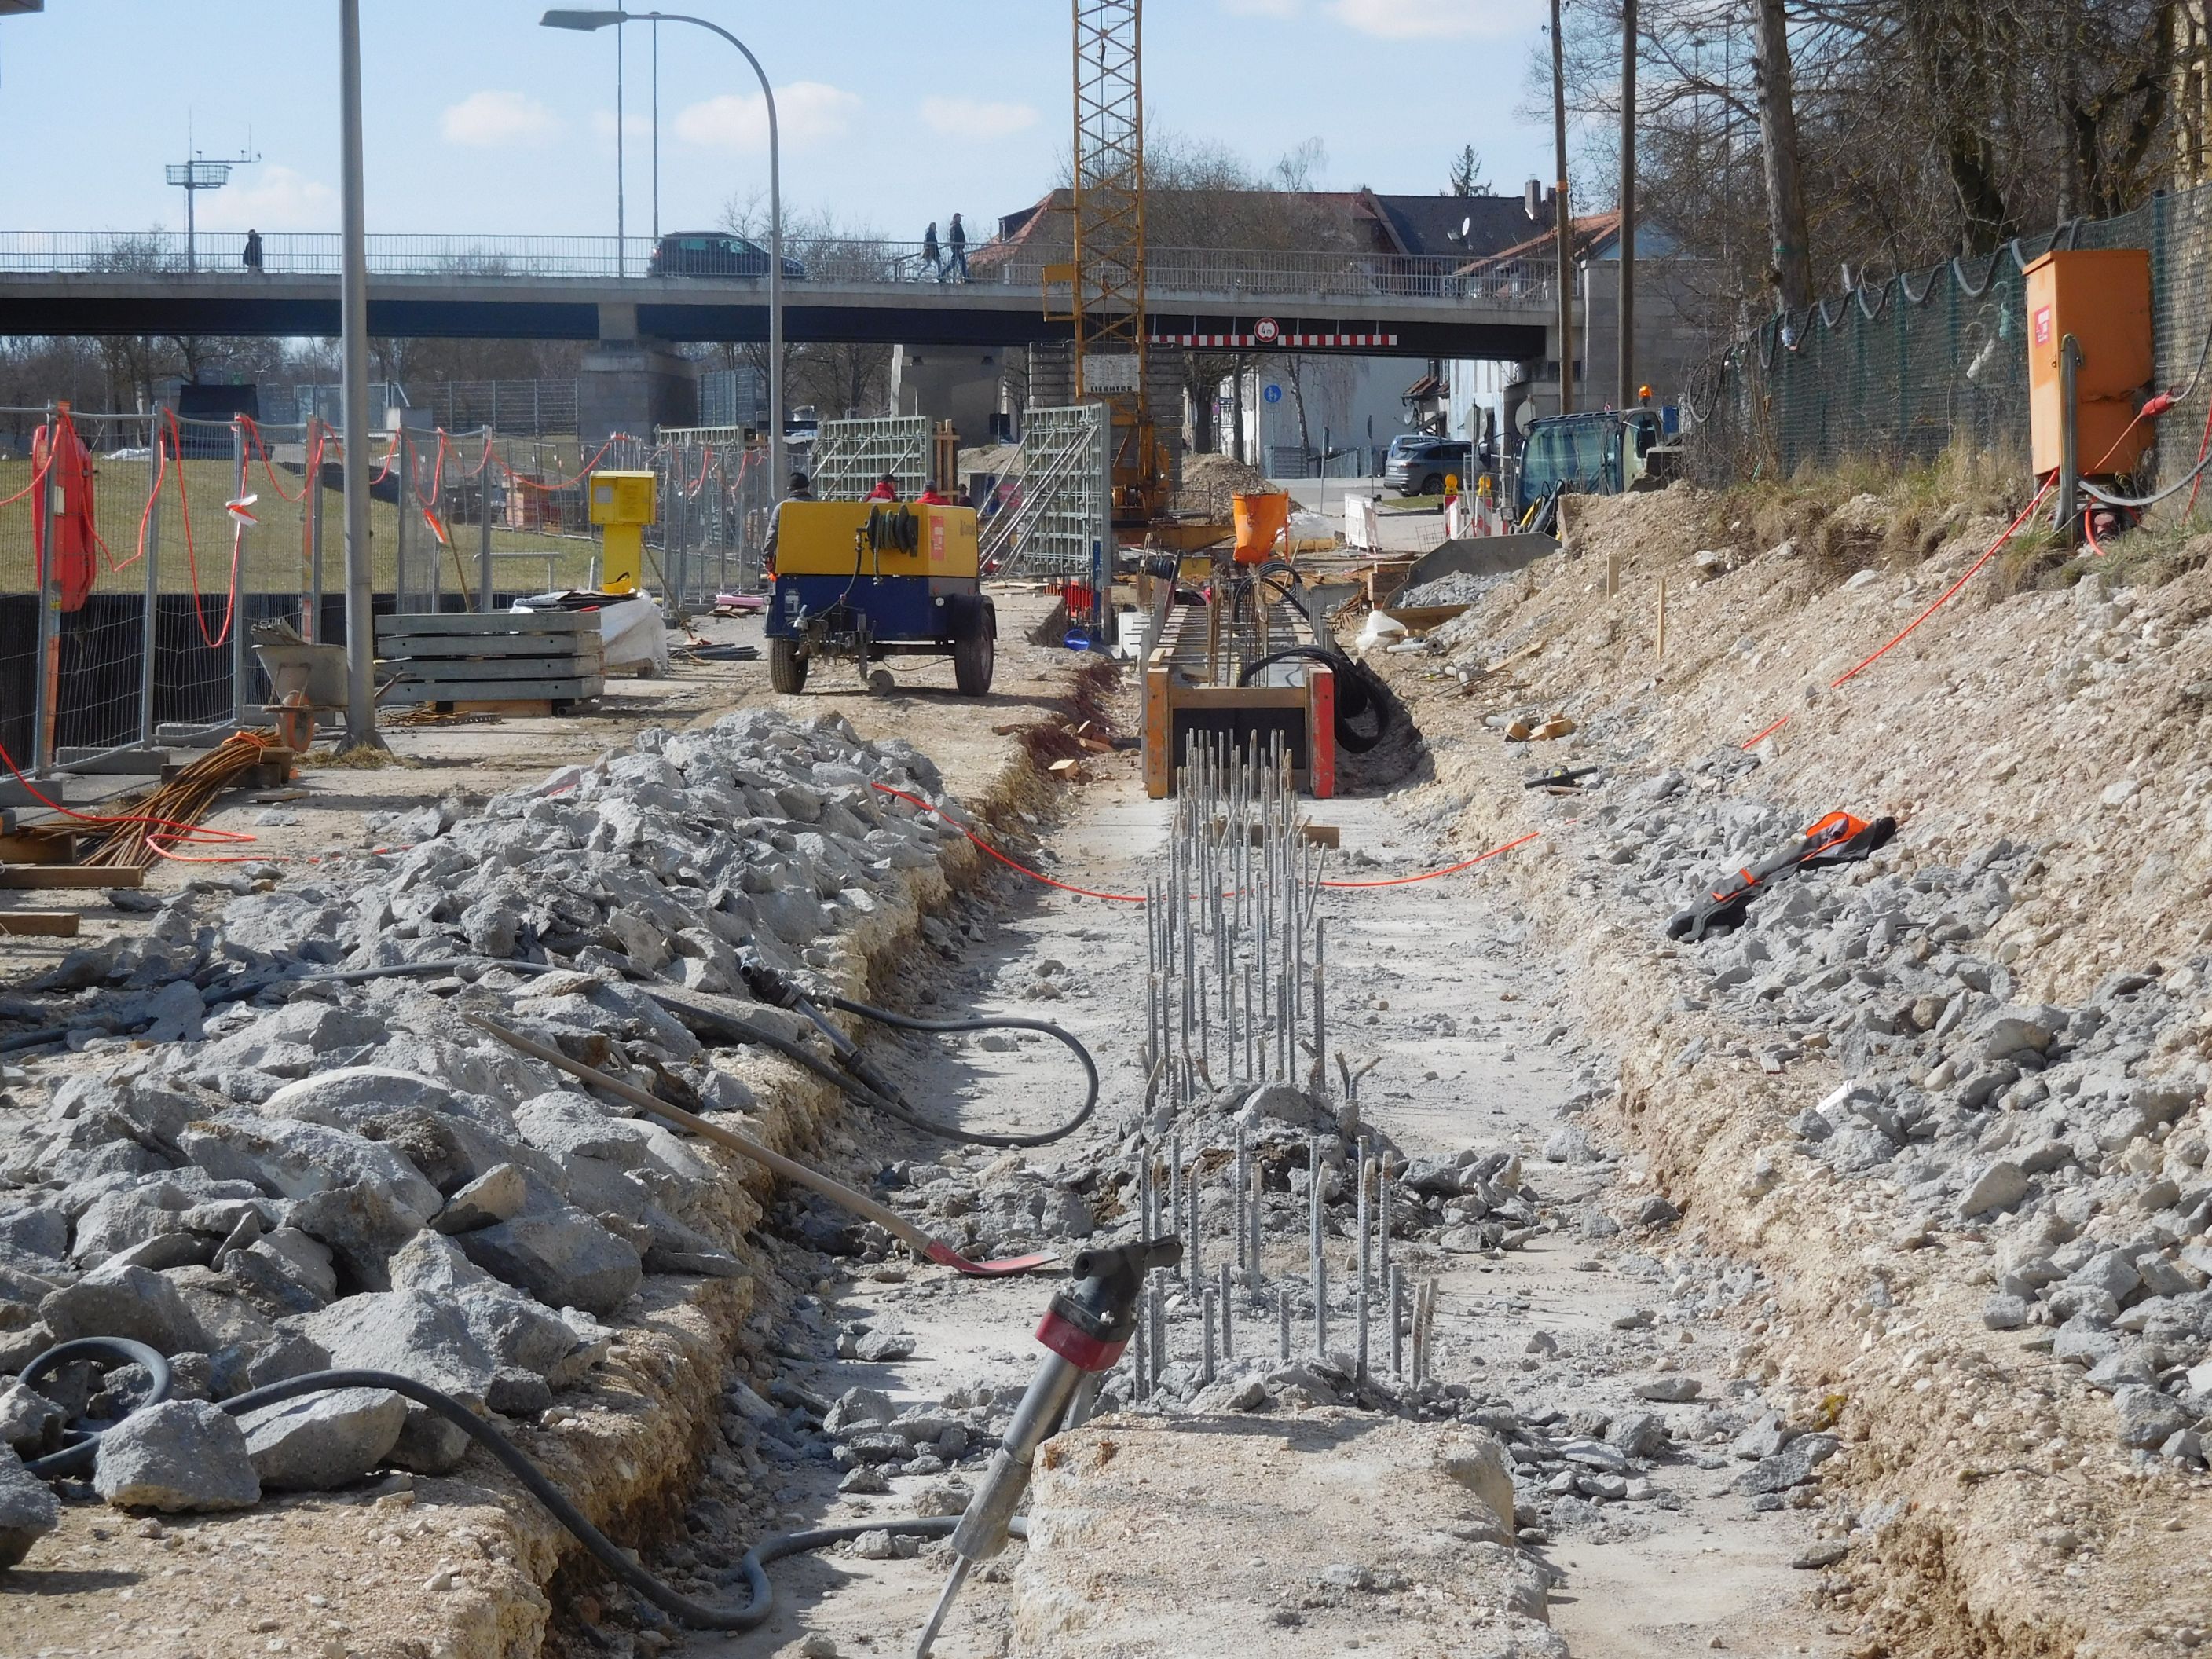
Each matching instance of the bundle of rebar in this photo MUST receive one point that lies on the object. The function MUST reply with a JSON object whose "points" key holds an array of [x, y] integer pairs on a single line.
{"points": [[169, 814]]}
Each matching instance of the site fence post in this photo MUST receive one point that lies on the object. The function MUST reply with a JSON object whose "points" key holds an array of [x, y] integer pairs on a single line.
{"points": [[150, 633], [402, 465], [484, 513], [310, 603], [237, 581], [48, 688]]}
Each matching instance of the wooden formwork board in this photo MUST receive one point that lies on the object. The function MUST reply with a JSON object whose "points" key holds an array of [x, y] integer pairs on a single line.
{"points": [[39, 924]]}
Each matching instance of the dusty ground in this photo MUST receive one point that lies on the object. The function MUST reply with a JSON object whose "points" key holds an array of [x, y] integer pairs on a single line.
{"points": [[1995, 1512], [456, 1567]]}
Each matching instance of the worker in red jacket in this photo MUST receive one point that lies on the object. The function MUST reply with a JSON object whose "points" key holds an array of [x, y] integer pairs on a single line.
{"points": [[932, 496], [886, 490]]}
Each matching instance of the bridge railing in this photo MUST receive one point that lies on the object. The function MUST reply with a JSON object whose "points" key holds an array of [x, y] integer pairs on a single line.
{"points": [[1337, 276]]}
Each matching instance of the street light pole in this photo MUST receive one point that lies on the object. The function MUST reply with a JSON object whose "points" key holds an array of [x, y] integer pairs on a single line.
{"points": [[353, 306], [565, 19], [1565, 226]]}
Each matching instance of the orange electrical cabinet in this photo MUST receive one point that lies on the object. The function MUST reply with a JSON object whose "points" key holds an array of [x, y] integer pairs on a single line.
{"points": [[2101, 296]]}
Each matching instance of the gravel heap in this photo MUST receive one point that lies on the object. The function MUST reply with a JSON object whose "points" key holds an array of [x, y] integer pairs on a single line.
{"points": [[350, 1174], [2072, 1139]]}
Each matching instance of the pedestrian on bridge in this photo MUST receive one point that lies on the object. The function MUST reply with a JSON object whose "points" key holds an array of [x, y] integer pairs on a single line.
{"points": [[251, 258], [956, 265], [931, 261]]}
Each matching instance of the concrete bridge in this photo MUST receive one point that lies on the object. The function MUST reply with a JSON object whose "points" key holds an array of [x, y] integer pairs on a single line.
{"points": [[569, 287]]}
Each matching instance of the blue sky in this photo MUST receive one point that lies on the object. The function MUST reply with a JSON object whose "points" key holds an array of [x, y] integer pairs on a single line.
{"points": [[894, 112]]}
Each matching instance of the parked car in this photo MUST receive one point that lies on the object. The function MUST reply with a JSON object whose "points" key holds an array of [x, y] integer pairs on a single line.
{"points": [[714, 254], [1419, 466]]}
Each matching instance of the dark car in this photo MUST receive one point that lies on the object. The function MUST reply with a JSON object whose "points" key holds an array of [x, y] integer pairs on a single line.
{"points": [[714, 254], [1419, 466]]}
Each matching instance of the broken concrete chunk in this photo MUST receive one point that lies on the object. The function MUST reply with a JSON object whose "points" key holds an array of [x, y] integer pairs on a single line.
{"points": [[1998, 1189], [495, 1195], [559, 1254], [129, 1302], [28, 1510], [1792, 1465], [323, 1440], [180, 1455]]}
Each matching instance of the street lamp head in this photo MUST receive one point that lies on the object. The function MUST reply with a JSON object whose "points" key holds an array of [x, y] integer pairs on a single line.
{"points": [[585, 21]]}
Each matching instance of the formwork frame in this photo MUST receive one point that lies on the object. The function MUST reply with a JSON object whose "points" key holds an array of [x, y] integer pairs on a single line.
{"points": [[849, 456]]}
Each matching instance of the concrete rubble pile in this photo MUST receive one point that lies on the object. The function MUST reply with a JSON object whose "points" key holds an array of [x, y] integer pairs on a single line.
{"points": [[2073, 1140], [351, 1175]]}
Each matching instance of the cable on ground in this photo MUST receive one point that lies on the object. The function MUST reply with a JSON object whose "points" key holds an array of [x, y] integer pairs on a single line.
{"points": [[760, 1595]]}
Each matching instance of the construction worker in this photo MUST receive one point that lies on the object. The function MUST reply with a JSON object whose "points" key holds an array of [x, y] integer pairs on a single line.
{"points": [[930, 260], [886, 490], [932, 496], [801, 490], [956, 265]]}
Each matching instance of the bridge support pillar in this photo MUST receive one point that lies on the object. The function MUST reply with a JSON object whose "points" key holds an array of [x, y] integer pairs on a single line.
{"points": [[633, 386]]}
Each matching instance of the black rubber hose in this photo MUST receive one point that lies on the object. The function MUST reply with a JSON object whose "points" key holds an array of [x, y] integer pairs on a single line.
{"points": [[1059, 1034], [75, 1459], [760, 1594], [1360, 693], [857, 1089]]}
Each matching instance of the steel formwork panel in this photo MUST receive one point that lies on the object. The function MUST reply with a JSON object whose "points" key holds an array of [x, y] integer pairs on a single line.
{"points": [[1065, 515], [849, 456]]}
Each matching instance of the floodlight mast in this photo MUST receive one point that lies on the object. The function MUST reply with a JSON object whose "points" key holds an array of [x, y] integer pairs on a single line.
{"points": [[194, 176]]}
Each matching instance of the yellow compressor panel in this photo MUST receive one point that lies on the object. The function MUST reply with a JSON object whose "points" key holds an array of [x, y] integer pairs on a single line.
{"points": [[2101, 296], [623, 498], [822, 538]]}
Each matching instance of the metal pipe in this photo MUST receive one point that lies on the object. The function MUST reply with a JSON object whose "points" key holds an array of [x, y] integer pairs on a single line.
{"points": [[240, 663], [149, 643], [353, 306]]}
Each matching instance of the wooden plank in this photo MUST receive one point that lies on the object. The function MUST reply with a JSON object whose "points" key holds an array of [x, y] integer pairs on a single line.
{"points": [[420, 673], [522, 709], [75, 876], [497, 622], [416, 647], [1419, 618], [37, 849], [39, 924], [567, 690]]}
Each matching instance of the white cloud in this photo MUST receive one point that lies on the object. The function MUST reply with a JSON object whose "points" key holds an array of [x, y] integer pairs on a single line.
{"points": [[807, 111], [271, 198], [1419, 20], [970, 118], [1261, 8], [494, 120]]}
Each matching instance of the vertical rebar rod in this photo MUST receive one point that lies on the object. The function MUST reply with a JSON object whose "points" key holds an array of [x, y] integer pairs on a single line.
{"points": [[1228, 1316], [1252, 1250], [1283, 1322], [1157, 1314], [1382, 1217], [1206, 1362], [1396, 1279], [1360, 1169], [1194, 1262], [1319, 1255], [1321, 1007], [1241, 1183], [1175, 1180]]}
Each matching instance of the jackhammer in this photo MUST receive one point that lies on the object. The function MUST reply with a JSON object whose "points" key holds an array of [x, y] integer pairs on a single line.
{"points": [[1084, 1331]]}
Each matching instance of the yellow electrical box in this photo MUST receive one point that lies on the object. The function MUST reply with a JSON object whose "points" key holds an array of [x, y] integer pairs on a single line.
{"points": [[622, 504], [2101, 296], [825, 538]]}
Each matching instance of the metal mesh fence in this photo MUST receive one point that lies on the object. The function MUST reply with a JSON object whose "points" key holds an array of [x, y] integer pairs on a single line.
{"points": [[1051, 515], [1901, 372]]}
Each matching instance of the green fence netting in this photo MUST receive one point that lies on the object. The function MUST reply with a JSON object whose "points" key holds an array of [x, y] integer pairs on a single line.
{"points": [[1900, 372]]}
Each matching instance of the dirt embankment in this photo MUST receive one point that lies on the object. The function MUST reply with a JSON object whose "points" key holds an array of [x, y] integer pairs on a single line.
{"points": [[2015, 1359]]}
